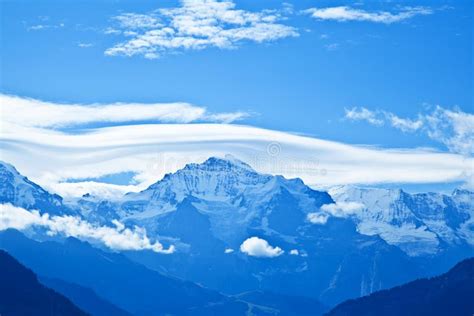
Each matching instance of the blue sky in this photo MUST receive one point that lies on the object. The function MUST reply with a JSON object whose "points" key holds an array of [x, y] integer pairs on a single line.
{"points": [[395, 59]]}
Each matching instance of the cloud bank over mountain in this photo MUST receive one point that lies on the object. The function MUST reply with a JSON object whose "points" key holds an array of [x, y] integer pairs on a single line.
{"points": [[52, 157]]}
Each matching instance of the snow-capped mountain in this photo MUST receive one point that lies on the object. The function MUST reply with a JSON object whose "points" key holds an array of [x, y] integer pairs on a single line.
{"points": [[420, 224], [233, 195], [333, 251], [16, 189]]}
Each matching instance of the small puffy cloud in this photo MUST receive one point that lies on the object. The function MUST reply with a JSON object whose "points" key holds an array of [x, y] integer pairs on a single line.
{"points": [[257, 247], [319, 218], [228, 250], [339, 209], [342, 209], [117, 238], [294, 252], [345, 13], [195, 25]]}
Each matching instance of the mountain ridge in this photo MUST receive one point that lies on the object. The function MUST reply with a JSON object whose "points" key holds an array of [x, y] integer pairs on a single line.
{"points": [[22, 294], [207, 209], [447, 294]]}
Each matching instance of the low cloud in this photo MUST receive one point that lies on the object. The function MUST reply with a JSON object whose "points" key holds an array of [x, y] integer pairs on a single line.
{"points": [[294, 252], [342, 209], [319, 218], [451, 127], [117, 238], [195, 25], [345, 13], [257, 247], [338, 209]]}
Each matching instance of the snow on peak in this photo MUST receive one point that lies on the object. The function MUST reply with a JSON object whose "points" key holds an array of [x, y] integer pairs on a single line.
{"points": [[414, 222], [229, 189], [19, 191], [214, 179], [229, 164]]}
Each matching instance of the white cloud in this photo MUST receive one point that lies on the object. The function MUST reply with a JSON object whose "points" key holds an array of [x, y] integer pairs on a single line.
{"points": [[342, 209], [36, 113], [196, 24], [41, 27], [117, 238], [137, 21], [85, 45], [228, 250], [345, 13], [103, 190], [112, 31], [332, 46], [319, 218], [404, 124], [363, 114], [294, 252], [453, 128], [257, 247], [51, 157]]}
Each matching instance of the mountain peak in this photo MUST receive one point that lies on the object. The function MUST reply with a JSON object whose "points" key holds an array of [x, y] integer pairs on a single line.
{"points": [[6, 166], [20, 191], [229, 163]]}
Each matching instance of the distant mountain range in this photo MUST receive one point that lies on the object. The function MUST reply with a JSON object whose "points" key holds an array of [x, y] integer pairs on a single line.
{"points": [[336, 245], [419, 224], [22, 295], [448, 294]]}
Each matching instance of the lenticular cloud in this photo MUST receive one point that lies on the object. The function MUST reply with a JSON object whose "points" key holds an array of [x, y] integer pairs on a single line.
{"points": [[117, 238]]}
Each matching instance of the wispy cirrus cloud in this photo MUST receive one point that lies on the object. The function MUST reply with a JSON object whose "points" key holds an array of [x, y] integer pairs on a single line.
{"points": [[85, 45], [363, 114], [117, 238], [40, 27], [36, 113], [195, 25], [451, 127], [346, 13]]}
